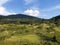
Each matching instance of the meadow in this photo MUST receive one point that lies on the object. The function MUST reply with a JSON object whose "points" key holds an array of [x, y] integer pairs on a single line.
{"points": [[21, 29], [27, 34]]}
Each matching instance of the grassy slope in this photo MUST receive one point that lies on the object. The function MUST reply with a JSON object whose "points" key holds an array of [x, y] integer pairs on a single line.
{"points": [[21, 34], [29, 31]]}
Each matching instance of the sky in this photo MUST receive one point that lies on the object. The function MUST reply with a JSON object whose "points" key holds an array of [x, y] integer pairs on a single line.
{"points": [[38, 8]]}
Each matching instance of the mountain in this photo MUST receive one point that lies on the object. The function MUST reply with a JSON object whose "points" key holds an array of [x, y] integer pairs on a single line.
{"points": [[20, 18], [55, 20], [56, 17], [17, 16]]}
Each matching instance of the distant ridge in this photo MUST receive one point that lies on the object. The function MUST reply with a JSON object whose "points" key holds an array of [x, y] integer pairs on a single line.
{"points": [[55, 20], [24, 16], [27, 19], [18, 16]]}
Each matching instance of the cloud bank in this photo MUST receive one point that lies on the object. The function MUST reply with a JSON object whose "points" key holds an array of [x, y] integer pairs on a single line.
{"points": [[3, 10], [32, 12], [2, 2]]}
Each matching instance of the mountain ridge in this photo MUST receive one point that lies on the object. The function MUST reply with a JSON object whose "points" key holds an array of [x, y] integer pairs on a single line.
{"points": [[23, 15], [27, 19]]}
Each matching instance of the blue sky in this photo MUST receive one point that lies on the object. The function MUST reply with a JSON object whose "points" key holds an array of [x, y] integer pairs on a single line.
{"points": [[37, 8]]}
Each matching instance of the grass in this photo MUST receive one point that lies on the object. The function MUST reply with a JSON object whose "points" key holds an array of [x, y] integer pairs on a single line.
{"points": [[22, 39], [26, 34]]}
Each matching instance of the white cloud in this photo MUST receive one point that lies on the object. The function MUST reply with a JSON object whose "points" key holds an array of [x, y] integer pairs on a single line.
{"points": [[53, 8], [29, 1], [3, 10], [3, 2], [32, 12]]}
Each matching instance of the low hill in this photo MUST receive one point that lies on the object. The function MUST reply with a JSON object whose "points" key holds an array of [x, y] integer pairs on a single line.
{"points": [[22, 29], [20, 18]]}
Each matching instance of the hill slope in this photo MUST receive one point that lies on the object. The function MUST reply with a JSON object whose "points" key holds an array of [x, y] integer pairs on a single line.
{"points": [[19, 18], [55, 20], [21, 29]]}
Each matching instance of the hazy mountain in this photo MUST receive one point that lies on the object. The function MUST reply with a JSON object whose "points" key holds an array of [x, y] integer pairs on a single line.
{"points": [[27, 19], [20, 18]]}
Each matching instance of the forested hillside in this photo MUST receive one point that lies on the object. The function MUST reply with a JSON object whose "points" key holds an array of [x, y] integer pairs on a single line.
{"points": [[22, 29]]}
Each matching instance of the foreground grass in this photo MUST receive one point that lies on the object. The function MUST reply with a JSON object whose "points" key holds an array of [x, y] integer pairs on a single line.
{"points": [[22, 40], [26, 34]]}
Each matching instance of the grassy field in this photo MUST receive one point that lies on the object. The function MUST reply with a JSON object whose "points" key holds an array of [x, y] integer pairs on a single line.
{"points": [[26, 34]]}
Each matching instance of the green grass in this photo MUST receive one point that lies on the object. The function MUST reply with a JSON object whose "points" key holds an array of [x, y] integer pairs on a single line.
{"points": [[30, 38], [26, 34]]}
